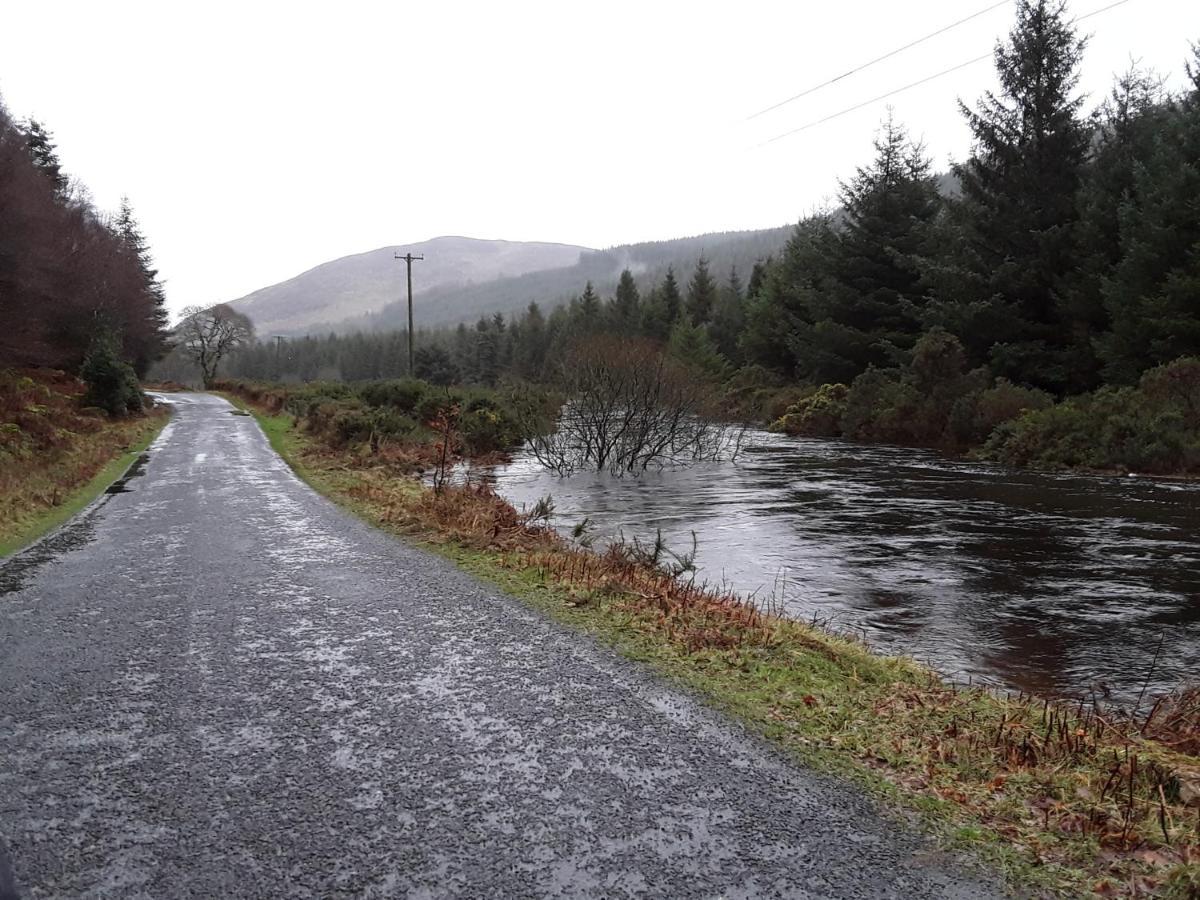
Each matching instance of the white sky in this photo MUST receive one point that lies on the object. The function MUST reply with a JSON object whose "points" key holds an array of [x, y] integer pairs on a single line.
{"points": [[259, 139]]}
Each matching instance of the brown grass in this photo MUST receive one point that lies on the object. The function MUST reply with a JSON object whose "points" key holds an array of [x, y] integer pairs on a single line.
{"points": [[50, 446]]}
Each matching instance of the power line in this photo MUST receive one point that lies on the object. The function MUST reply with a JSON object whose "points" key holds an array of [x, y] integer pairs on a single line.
{"points": [[879, 59], [892, 93], [844, 112]]}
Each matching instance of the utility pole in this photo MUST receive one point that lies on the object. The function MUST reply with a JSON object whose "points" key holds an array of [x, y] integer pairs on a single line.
{"points": [[408, 259]]}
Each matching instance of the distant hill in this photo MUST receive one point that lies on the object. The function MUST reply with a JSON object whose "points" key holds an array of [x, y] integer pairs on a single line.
{"points": [[355, 286], [450, 304]]}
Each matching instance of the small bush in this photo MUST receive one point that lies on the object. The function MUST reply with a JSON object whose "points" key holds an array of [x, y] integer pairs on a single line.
{"points": [[402, 394], [819, 415], [1150, 428], [437, 403], [111, 382]]}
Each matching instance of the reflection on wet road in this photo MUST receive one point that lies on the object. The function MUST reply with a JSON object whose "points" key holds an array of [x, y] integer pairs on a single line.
{"points": [[1037, 581]]}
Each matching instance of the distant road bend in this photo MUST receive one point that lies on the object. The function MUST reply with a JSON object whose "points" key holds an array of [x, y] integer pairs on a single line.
{"points": [[217, 684]]}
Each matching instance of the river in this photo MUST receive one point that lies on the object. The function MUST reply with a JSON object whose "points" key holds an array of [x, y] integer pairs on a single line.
{"points": [[1057, 584]]}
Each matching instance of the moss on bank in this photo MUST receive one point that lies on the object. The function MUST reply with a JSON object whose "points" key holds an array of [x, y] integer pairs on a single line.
{"points": [[1061, 798]]}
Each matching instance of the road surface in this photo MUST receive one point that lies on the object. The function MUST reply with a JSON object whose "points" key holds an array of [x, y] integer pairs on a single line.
{"points": [[217, 684]]}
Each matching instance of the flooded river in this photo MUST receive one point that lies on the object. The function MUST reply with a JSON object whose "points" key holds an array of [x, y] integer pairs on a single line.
{"points": [[1052, 583]]}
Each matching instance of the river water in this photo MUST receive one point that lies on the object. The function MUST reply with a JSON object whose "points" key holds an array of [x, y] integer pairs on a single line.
{"points": [[1059, 584]]}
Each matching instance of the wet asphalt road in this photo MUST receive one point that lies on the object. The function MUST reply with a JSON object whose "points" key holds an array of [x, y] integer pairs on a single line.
{"points": [[216, 684]]}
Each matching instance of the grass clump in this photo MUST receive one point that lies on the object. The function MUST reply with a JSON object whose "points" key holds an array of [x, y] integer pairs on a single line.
{"points": [[1064, 798]]}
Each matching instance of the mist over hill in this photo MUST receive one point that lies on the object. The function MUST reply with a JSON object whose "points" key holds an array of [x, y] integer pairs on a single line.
{"points": [[354, 286], [451, 303]]}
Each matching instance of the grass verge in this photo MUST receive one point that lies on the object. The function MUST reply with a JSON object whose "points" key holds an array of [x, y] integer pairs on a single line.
{"points": [[54, 458], [1063, 799]]}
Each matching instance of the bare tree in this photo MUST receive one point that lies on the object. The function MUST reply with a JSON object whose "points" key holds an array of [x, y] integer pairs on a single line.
{"points": [[209, 334], [628, 409]]}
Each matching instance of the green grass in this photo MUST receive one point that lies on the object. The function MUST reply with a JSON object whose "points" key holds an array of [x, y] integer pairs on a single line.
{"points": [[38, 524]]}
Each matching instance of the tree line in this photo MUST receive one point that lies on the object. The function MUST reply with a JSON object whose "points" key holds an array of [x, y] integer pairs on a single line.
{"points": [[1061, 257], [78, 287]]}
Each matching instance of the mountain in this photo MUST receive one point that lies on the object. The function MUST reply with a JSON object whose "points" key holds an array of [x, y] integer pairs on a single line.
{"points": [[449, 304], [355, 286]]}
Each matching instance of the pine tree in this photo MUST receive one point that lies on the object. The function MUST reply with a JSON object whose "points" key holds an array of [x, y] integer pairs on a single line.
{"points": [[869, 310], [779, 312], [44, 153], [487, 352], [729, 318], [626, 305], [758, 277], [670, 297], [529, 355], [1015, 220], [691, 345], [152, 334], [588, 310], [1152, 293], [701, 295], [1130, 122]]}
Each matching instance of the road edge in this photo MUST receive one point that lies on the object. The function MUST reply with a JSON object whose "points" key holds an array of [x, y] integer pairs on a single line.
{"points": [[82, 501]]}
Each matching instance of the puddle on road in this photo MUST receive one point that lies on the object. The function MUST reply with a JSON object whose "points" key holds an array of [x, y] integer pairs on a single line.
{"points": [[79, 531], [137, 470]]}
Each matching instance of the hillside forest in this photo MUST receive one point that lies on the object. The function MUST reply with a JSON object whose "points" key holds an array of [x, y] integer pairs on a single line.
{"points": [[78, 288], [1046, 311]]}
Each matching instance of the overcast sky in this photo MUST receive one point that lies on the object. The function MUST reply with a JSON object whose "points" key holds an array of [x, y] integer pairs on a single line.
{"points": [[258, 139]]}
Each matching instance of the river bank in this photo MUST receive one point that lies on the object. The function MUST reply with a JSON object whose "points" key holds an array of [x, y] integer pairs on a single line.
{"points": [[1029, 784], [1051, 583]]}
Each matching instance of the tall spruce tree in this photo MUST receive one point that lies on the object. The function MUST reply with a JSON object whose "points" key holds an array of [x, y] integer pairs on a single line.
{"points": [[869, 311], [1128, 125], [729, 317], [779, 312], [1014, 225], [44, 153], [670, 297], [146, 351], [626, 305], [1153, 292], [701, 295], [588, 310]]}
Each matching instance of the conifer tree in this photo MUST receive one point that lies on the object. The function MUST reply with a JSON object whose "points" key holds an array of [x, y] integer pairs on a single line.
{"points": [[44, 153], [701, 295], [670, 297], [1015, 221], [626, 305], [530, 352], [779, 313], [1129, 125], [1152, 293], [153, 346], [869, 310], [588, 310], [729, 317]]}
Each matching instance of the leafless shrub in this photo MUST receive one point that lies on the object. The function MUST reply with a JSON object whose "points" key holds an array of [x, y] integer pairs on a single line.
{"points": [[630, 409]]}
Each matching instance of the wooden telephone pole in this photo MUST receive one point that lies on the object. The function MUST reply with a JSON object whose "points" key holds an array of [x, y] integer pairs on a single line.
{"points": [[408, 259]]}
